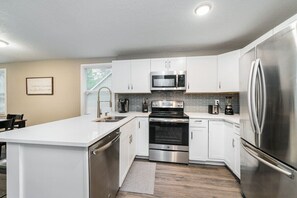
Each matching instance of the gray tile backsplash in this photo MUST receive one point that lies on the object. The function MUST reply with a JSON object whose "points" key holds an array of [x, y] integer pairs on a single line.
{"points": [[193, 102]]}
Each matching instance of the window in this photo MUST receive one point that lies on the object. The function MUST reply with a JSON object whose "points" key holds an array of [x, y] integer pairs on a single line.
{"points": [[94, 77], [3, 91]]}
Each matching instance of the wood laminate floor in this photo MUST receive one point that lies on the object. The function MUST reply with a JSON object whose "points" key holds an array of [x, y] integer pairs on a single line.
{"points": [[182, 181], [190, 181]]}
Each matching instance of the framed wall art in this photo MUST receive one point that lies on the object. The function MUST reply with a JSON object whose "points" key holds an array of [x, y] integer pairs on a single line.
{"points": [[40, 85]]}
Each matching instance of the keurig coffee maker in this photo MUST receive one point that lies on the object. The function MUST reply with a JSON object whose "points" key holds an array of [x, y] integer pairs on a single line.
{"points": [[228, 107], [145, 105], [123, 105]]}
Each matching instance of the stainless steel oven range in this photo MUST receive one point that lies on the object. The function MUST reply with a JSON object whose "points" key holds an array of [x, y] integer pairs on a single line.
{"points": [[168, 132]]}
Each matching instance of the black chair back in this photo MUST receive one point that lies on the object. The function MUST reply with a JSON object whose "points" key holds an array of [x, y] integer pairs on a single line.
{"points": [[7, 124], [15, 116]]}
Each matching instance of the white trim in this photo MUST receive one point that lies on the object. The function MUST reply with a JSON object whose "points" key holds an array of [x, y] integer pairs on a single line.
{"points": [[5, 90], [83, 86]]}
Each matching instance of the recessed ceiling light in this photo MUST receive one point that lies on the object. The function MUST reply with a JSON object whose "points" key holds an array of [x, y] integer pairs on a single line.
{"points": [[3, 43], [203, 9]]}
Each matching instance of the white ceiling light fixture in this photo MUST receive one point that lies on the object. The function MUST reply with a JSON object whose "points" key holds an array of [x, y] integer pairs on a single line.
{"points": [[3, 43], [203, 8]]}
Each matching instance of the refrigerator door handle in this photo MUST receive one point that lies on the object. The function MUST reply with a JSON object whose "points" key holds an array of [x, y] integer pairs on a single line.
{"points": [[269, 161], [253, 98], [263, 94], [249, 99]]}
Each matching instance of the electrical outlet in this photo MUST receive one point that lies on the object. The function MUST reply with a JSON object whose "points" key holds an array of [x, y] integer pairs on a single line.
{"points": [[217, 102]]}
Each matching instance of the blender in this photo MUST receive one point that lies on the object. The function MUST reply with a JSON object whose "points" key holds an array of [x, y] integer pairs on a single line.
{"points": [[228, 107]]}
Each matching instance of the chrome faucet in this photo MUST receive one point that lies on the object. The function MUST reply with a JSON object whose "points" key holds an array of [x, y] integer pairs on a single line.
{"points": [[99, 101]]}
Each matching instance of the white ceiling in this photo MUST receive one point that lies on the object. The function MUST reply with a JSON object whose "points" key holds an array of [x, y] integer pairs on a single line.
{"points": [[55, 29]]}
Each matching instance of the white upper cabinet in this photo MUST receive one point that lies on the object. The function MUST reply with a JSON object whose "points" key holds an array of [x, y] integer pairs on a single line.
{"points": [[131, 76], [121, 76], [228, 72], [140, 76], [168, 64], [202, 74]]}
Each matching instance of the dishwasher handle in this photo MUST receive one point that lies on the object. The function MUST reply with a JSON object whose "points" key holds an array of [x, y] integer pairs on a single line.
{"points": [[106, 146]]}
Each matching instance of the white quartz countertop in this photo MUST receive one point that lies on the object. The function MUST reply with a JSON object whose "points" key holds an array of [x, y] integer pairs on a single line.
{"points": [[229, 118], [82, 131], [79, 131]]}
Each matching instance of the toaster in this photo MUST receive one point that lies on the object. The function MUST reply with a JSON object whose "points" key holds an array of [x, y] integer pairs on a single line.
{"points": [[213, 109]]}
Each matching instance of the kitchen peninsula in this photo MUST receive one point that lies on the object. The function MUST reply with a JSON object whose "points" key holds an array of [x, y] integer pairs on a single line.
{"points": [[51, 160]]}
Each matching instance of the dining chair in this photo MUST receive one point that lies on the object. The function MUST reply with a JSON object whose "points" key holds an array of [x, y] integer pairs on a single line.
{"points": [[15, 116], [6, 125]]}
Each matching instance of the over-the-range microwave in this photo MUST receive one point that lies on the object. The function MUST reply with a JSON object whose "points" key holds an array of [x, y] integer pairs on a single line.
{"points": [[168, 80]]}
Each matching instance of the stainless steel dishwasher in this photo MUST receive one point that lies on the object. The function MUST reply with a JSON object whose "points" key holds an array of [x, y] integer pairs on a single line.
{"points": [[104, 166]]}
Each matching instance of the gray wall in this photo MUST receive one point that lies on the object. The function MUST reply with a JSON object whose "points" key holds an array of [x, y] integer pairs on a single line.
{"points": [[193, 102]]}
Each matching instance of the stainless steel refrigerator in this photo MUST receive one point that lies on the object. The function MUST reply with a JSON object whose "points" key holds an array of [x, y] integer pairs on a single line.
{"points": [[268, 117]]}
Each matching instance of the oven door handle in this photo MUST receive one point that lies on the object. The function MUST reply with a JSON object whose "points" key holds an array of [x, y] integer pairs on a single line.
{"points": [[169, 120]]}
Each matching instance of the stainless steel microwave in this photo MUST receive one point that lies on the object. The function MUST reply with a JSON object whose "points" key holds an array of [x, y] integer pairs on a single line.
{"points": [[168, 80]]}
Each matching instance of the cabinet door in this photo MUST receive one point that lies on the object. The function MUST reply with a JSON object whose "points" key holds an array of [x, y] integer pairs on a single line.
{"points": [[140, 76], [229, 145], [132, 147], [159, 64], [131, 126], [121, 76], [237, 155], [142, 142], [216, 140], [177, 64], [124, 156], [202, 74], [198, 144], [228, 72]]}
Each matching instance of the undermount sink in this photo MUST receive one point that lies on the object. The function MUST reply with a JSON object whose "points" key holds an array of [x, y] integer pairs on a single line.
{"points": [[110, 119]]}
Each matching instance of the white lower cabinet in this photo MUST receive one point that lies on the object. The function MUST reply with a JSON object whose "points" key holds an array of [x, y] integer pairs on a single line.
{"points": [[216, 141], [198, 140], [127, 148], [232, 148], [236, 169], [229, 145], [142, 135]]}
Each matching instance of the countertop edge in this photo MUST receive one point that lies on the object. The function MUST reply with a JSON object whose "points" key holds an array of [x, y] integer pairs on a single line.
{"points": [[131, 116]]}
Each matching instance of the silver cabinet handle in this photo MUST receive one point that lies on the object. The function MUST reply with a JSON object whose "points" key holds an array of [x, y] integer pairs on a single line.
{"points": [[132, 86], [198, 121], [128, 86], [269, 161], [233, 142], [106, 146], [188, 85], [191, 135], [220, 85], [139, 124]]}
